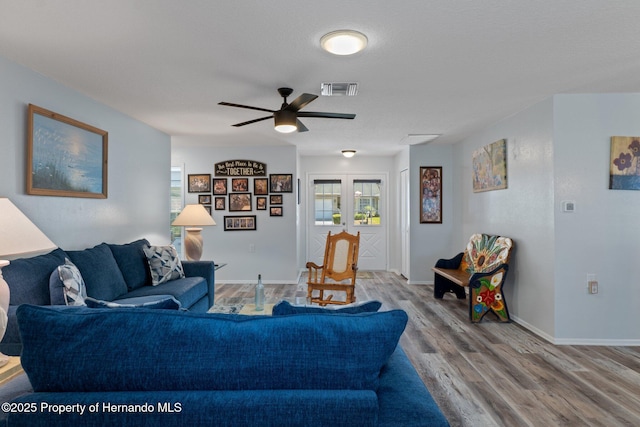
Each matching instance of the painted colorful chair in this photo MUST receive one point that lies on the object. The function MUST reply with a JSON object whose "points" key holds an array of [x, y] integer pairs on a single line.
{"points": [[338, 271], [483, 268]]}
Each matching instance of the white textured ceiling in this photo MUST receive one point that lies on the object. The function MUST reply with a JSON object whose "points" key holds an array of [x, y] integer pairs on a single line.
{"points": [[432, 66]]}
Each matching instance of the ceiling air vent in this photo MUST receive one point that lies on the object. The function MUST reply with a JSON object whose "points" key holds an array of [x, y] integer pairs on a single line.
{"points": [[339, 89]]}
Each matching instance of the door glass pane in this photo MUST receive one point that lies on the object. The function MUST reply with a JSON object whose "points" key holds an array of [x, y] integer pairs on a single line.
{"points": [[366, 202], [327, 201]]}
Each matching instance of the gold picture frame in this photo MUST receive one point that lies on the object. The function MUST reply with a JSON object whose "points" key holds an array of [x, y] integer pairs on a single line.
{"points": [[65, 157]]}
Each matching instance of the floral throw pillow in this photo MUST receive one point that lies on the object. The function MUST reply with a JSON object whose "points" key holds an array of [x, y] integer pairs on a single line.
{"points": [[164, 264], [74, 290]]}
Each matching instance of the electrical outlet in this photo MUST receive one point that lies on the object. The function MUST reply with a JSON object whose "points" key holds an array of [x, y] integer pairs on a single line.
{"points": [[252, 247], [593, 287]]}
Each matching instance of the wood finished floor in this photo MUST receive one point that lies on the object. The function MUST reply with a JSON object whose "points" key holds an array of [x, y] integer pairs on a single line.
{"points": [[493, 374]]}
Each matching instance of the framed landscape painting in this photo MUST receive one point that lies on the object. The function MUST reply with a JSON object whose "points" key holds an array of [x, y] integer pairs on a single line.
{"points": [[65, 157]]}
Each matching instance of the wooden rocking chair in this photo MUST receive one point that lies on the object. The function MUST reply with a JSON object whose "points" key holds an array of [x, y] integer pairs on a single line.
{"points": [[338, 271]]}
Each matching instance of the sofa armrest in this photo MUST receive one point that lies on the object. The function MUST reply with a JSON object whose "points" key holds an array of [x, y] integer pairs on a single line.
{"points": [[204, 269], [403, 399]]}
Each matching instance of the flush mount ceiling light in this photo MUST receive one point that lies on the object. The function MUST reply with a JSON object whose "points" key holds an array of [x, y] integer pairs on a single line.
{"points": [[343, 42], [348, 153], [285, 121]]}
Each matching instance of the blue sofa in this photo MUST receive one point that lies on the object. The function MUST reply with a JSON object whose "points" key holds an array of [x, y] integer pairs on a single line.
{"points": [[111, 272], [133, 367]]}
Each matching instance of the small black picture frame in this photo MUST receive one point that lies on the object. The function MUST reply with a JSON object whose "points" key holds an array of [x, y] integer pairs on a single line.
{"points": [[275, 211], [204, 199], [240, 202], [275, 199], [240, 223], [261, 203], [220, 203], [281, 183], [220, 186], [260, 186], [199, 183]]}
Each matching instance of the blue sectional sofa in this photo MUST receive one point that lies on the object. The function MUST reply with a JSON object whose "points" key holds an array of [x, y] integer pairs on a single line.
{"points": [[134, 367], [111, 272]]}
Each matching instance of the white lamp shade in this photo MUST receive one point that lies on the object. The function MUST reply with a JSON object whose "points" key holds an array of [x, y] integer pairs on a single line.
{"points": [[194, 216], [18, 235]]}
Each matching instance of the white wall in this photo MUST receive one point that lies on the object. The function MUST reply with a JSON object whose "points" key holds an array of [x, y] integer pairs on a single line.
{"points": [[602, 236], [275, 239], [139, 174]]}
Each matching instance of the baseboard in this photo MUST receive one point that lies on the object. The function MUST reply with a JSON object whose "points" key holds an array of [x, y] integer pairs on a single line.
{"points": [[419, 283], [253, 282], [576, 341]]}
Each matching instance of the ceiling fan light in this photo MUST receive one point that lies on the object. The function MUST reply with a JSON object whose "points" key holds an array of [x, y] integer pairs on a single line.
{"points": [[348, 153], [343, 42], [285, 121]]}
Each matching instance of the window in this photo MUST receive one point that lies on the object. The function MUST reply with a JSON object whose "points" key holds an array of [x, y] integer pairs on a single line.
{"points": [[327, 194], [176, 205], [366, 202]]}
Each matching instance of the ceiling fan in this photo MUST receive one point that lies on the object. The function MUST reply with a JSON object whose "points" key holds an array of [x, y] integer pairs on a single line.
{"points": [[287, 117]]}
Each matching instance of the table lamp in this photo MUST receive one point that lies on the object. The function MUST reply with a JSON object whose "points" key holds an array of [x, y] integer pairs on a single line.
{"points": [[192, 218], [18, 237]]}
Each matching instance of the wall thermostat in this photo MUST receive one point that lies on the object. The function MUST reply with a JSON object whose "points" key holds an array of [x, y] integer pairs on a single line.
{"points": [[568, 206]]}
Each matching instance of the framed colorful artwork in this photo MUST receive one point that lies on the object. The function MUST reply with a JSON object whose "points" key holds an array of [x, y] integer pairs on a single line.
{"points": [[490, 167], [65, 157], [431, 195], [624, 166]]}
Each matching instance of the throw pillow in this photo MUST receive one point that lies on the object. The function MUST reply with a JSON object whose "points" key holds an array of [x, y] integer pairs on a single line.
{"points": [[162, 302], [164, 264], [283, 308], [74, 289], [132, 263]]}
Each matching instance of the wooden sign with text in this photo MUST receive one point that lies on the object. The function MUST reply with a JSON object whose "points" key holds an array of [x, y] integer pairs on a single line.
{"points": [[241, 168]]}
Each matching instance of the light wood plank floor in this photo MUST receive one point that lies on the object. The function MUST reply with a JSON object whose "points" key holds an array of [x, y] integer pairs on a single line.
{"points": [[493, 374]]}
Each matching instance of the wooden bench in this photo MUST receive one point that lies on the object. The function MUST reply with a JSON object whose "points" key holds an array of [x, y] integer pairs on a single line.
{"points": [[483, 268]]}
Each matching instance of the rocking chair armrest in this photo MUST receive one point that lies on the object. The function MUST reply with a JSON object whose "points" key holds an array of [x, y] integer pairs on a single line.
{"points": [[314, 266]]}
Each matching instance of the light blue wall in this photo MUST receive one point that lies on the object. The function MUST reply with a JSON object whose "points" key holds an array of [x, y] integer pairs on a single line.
{"points": [[137, 204], [602, 236], [524, 211], [429, 242], [559, 150]]}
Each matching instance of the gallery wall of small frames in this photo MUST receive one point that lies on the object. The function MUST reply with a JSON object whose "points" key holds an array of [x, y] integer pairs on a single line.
{"points": [[239, 187]]}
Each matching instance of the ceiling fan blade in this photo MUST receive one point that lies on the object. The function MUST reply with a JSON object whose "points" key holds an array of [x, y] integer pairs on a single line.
{"points": [[252, 121], [300, 102], [326, 115], [300, 126], [229, 104]]}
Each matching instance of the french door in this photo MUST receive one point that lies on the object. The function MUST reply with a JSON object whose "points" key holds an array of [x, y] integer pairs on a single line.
{"points": [[353, 203]]}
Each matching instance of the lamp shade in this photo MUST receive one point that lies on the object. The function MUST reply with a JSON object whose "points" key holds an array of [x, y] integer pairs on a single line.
{"points": [[18, 235], [194, 216]]}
